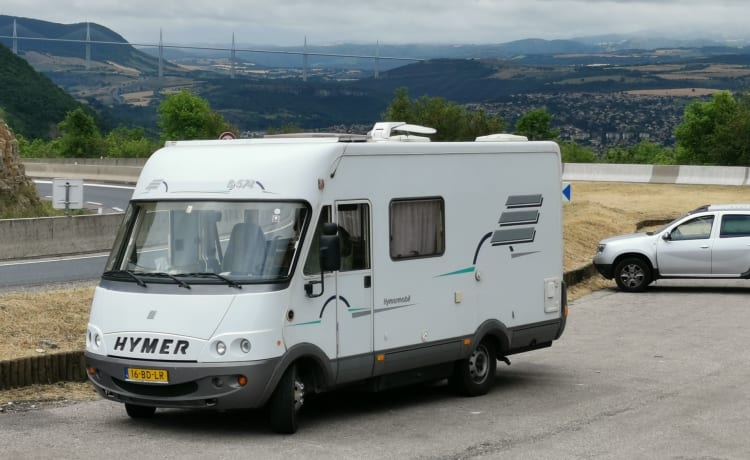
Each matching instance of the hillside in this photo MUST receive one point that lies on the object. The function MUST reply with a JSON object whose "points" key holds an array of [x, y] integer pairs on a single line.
{"points": [[602, 92], [33, 105], [123, 55]]}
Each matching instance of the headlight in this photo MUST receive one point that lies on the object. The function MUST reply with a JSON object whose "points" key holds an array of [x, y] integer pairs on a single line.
{"points": [[221, 348], [245, 346], [97, 340]]}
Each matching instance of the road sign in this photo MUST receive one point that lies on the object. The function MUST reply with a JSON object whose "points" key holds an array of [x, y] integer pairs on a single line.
{"points": [[566, 191], [67, 194], [227, 135]]}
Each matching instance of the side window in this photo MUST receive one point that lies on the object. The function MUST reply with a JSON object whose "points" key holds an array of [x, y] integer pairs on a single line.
{"points": [[417, 228], [694, 229], [735, 225], [354, 231], [312, 264]]}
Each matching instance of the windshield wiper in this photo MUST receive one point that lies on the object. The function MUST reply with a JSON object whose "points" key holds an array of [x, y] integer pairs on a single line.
{"points": [[132, 275], [231, 283], [166, 275]]}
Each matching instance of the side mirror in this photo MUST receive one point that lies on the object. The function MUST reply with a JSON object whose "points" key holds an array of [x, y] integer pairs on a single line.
{"points": [[330, 257], [330, 249], [666, 236]]}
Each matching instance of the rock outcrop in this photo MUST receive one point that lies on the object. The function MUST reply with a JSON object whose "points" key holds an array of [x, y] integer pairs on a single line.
{"points": [[17, 191]]}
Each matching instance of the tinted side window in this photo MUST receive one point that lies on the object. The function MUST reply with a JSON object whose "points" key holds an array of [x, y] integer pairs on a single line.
{"points": [[735, 225]]}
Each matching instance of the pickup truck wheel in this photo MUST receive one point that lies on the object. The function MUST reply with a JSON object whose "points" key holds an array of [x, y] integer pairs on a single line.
{"points": [[135, 411], [286, 402], [633, 274], [475, 375]]}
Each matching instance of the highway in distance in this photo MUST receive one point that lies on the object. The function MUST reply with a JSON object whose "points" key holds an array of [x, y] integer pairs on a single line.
{"points": [[107, 197]]}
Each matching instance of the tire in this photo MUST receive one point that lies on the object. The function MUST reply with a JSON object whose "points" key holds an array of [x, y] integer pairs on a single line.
{"points": [[475, 375], [135, 411], [286, 402], [633, 274]]}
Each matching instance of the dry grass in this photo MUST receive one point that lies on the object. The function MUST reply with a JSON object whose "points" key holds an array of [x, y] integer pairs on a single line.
{"points": [[597, 210]]}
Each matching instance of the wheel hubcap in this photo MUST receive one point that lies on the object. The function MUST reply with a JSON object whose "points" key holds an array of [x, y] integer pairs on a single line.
{"points": [[632, 275], [299, 394], [479, 364]]}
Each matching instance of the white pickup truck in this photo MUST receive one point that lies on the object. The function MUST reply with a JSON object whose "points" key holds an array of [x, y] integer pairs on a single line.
{"points": [[712, 241]]}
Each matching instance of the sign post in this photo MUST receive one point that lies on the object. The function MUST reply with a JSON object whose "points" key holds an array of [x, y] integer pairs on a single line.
{"points": [[67, 194]]}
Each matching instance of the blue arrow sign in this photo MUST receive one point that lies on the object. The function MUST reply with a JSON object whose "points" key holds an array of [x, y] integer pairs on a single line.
{"points": [[566, 191]]}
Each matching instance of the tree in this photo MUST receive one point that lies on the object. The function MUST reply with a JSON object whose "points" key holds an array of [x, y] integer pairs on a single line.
{"points": [[81, 137], [184, 116], [574, 153], [535, 125], [125, 142], [715, 132], [645, 152], [451, 121]]}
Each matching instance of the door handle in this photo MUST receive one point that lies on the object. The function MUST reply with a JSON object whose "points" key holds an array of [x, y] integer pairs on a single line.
{"points": [[704, 247], [368, 281]]}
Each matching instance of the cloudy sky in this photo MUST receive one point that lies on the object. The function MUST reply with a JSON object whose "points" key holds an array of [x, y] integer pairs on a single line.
{"points": [[288, 22]]}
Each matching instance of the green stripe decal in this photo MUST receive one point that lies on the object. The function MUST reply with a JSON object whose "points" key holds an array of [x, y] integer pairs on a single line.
{"points": [[356, 309], [307, 323], [459, 272]]}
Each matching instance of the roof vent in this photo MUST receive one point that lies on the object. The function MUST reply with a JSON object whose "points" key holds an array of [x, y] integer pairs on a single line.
{"points": [[399, 131]]}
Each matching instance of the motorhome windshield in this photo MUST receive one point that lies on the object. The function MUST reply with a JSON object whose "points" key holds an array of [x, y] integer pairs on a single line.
{"points": [[207, 242]]}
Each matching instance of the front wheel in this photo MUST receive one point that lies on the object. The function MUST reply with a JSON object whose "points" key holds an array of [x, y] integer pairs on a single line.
{"points": [[286, 402], [475, 375], [633, 274]]}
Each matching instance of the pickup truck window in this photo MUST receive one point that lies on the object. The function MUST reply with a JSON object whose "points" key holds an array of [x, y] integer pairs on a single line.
{"points": [[694, 229], [735, 225]]}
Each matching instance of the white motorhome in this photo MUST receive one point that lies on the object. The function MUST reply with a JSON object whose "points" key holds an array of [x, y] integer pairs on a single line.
{"points": [[254, 272]]}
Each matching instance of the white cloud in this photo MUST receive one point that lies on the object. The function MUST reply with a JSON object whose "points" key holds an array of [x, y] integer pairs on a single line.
{"points": [[388, 21]]}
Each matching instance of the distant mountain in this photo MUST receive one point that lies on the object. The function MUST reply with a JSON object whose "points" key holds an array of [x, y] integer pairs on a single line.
{"points": [[32, 104], [124, 54], [651, 40]]}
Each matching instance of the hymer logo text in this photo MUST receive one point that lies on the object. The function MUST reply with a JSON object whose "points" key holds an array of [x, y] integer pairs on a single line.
{"points": [[153, 346]]}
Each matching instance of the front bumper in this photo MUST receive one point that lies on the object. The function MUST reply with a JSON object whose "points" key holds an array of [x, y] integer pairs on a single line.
{"points": [[605, 270], [191, 385]]}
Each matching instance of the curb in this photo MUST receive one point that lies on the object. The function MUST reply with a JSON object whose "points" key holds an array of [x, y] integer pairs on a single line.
{"points": [[45, 369]]}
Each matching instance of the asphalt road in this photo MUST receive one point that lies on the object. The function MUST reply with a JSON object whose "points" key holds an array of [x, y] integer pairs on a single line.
{"points": [[51, 270], [16, 273], [662, 375], [108, 197]]}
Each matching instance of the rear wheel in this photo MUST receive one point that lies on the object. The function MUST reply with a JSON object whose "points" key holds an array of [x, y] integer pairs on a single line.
{"points": [[286, 402], [475, 375], [135, 411], [633, 274]]}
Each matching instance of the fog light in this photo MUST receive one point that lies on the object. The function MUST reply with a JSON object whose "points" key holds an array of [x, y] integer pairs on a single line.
{"points": [[221, 348], [245, 346]]}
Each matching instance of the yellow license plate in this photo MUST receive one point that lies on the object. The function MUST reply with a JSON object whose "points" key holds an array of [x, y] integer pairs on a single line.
{"points": [[135, 374]]}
